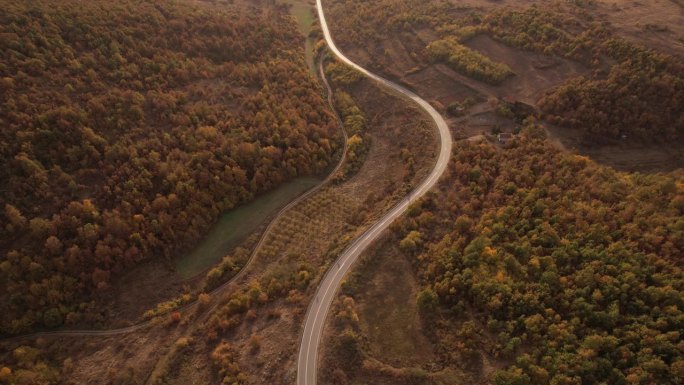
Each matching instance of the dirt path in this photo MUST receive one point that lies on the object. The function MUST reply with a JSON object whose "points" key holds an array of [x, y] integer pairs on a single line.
{"points": [[214, 294], [325, 294]]}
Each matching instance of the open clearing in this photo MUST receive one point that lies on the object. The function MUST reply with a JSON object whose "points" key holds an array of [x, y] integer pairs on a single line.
{"points": [[302, 12], [386, 291], [313, 232], [399, 55], [235, 225]]}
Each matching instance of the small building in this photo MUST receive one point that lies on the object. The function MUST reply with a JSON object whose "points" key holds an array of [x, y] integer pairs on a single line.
{"points": [[504, 137]]}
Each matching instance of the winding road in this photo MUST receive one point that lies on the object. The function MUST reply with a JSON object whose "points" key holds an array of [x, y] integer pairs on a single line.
{"points": [[320, 305], [217, 291]]}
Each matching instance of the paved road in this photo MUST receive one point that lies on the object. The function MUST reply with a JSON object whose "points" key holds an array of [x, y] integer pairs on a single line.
{"points": [[216, 292], [320, 305]]}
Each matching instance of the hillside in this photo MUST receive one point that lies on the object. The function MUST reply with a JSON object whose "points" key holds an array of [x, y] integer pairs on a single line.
{"points": [[532, 266], [531, 263], [202, 192], [601, 88], [128, 127]]}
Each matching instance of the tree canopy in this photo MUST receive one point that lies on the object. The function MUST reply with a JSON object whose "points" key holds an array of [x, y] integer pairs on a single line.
{"points": [[570, 271], [128, 126]]}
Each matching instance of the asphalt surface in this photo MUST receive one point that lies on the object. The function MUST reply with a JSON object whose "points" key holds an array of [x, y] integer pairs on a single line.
{"points": [[216, 292], [318, 309]]}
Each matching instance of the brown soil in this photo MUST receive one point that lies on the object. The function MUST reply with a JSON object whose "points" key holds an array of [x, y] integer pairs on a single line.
{"points": [[622, 155], [400, 56], [138, 291], [388, 316], [442, 92], [113, 360], [657, 24], [534, 73]]}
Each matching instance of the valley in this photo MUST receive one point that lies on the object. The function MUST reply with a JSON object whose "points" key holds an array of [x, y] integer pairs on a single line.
{"points": [[342, 192]]}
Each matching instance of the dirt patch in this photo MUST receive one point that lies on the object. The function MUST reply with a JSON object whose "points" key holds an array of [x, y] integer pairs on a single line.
{"points": [[534, 72], [622, 155], [441, 85], [138, 291], [403, 52], [119, 359], [482, 123], [389, 314], [657, 24]]}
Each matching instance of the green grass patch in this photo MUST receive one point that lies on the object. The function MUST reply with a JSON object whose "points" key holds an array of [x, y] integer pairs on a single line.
{"points": [[302, 11], [235, 225]]}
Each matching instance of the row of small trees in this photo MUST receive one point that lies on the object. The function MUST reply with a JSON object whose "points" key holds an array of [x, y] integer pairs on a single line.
{"points": [[469, 62], [128, 128]]}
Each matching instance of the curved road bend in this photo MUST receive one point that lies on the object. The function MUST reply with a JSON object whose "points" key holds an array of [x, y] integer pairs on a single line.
{"points": [[320, 305], [225, 285]]}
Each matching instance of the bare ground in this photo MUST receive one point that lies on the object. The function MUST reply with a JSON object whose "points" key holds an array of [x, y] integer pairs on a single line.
{"points": [[534, 73], [379, 184], [388, 318], [657, 24], [387, 304], [399, 55], [316, 229]]}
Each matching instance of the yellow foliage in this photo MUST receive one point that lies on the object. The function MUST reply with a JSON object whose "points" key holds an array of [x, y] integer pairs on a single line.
{"points": [[183, 342], [5, 373], [489, 252], [207, 132]]}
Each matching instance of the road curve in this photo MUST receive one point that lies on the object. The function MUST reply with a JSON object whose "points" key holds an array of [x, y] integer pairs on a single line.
{"points": [[214, 293], [320, 305]]}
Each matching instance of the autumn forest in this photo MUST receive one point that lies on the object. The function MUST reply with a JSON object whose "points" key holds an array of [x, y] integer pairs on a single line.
{"points": [[438, 192], [127, 129]]}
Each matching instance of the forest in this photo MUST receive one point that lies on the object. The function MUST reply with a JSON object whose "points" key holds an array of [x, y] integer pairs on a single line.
{"points": [[641, 97], [343, 78], [564, 271], [631, 92], [127, 128]]}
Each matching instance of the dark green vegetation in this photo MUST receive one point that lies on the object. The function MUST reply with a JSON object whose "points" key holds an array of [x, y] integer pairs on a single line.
{"points": [[566, 271], [235, 225], [128, 128]]}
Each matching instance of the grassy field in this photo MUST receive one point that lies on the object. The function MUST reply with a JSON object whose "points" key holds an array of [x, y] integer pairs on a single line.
{"points": [[237, 224], [302, 11]]}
